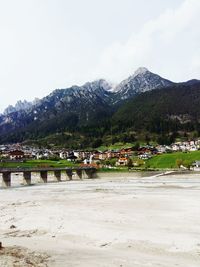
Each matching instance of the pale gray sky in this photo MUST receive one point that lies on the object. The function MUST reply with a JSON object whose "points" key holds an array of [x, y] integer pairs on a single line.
{"points": [[49, 44]]}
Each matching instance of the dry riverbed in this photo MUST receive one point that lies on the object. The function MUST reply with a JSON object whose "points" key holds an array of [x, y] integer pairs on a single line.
{"points": [[114, 221]]}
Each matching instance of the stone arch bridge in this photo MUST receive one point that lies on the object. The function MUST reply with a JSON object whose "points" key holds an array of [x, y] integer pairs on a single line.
{"points": [[43, 173]]}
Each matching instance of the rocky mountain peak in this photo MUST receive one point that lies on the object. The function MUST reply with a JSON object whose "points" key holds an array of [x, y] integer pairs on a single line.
{"points": [[141, 81], [141, 71], [20, 105], [97, 84]]}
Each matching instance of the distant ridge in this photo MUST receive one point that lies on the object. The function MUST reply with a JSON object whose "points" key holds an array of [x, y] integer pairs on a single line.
{"points": [[89, 110]]}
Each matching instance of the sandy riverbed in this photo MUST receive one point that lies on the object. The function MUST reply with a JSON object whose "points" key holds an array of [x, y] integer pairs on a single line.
{"points": [[119, 221]]}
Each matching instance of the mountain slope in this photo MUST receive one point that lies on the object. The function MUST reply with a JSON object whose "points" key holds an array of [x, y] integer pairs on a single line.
{"points": [[63, 109], [72, 108], [172, 109], [91, 109]]}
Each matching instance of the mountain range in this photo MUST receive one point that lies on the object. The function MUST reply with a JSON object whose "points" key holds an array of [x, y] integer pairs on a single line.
{"points": [[97, 112]]}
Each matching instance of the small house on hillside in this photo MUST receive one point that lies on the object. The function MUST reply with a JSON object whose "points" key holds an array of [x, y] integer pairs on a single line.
{"points": [[16, 154], [71, 157], [196, 165], [122, 162], [63, 154], [126, 152]]}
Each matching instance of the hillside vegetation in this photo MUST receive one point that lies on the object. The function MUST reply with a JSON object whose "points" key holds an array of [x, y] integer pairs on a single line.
{"points": [[154, 116], [162, 111]]}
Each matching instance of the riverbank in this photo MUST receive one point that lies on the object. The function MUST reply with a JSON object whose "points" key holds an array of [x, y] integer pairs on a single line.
{"points": [[113, 221]]}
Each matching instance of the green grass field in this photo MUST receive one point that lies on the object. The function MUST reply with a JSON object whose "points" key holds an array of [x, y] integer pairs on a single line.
{"points": [[37, 164], [169, 160]]}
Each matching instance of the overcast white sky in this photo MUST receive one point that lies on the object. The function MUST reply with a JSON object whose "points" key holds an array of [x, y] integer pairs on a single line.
{"points": [[49, 44]]}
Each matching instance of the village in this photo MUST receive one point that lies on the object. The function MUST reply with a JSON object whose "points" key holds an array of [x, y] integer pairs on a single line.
{"points": [[133, 156]]}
